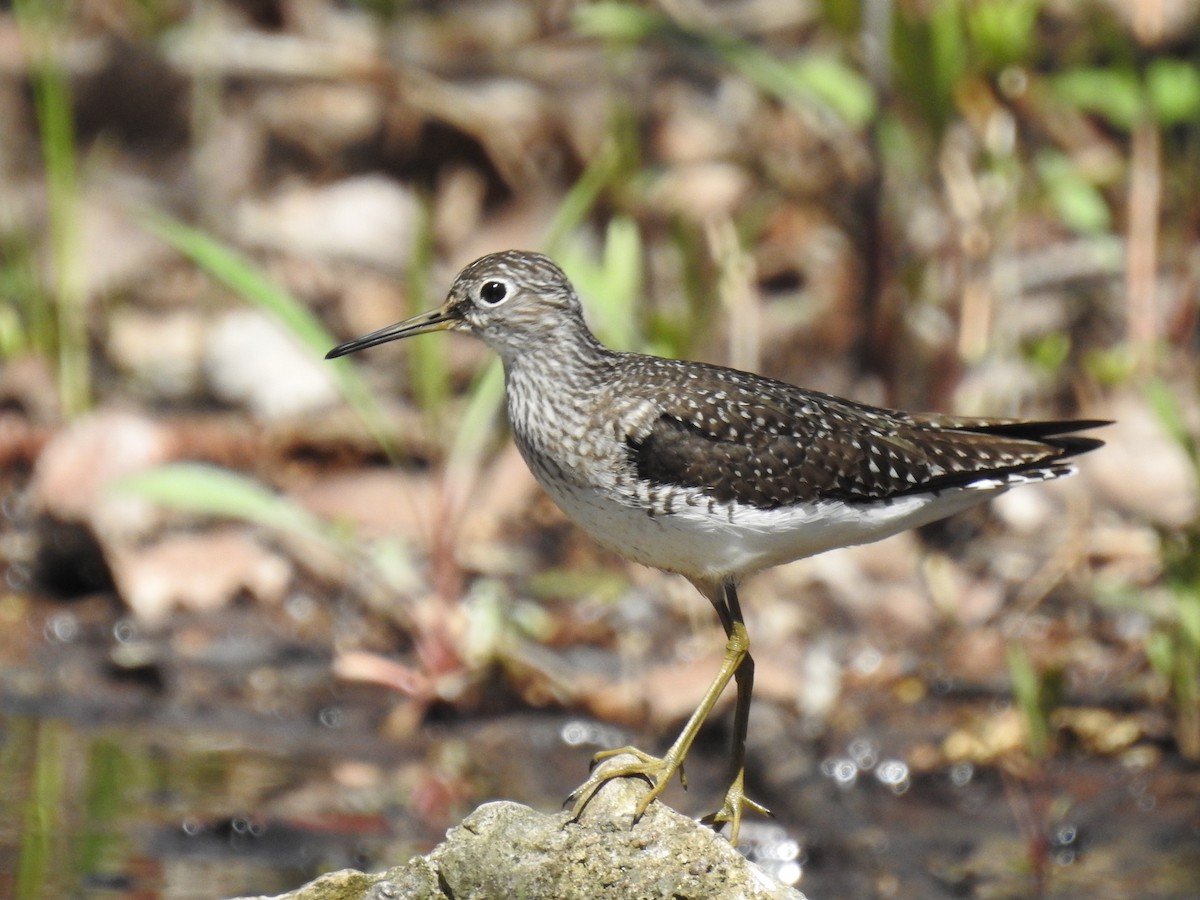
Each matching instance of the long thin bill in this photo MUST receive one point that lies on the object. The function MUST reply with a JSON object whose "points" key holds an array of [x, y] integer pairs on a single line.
{"points": [[437, 320]]}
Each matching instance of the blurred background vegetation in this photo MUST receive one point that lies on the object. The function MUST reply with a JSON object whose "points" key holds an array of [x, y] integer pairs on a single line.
{"points": [[269, 615]]}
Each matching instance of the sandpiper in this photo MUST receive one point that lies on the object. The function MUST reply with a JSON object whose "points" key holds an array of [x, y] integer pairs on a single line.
{"points": [[715, 473]]}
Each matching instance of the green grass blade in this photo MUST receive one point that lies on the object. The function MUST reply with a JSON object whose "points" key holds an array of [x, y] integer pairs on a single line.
{"points": [[247, 280], [65, 329], [582, 197], [826, 82], [613, 286], [428, 369], [207, 490], [43, 813], [478, 421], [1029, 697], [1165, 404]]}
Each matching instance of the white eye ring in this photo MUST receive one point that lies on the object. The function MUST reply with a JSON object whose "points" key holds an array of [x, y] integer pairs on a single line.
{"points": [[493, 292]]}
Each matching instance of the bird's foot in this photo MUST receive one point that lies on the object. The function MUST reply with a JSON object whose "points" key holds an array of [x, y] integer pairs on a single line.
{"points": [[731, 810], [658, 770]]}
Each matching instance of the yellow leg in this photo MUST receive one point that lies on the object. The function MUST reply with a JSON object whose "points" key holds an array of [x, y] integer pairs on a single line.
{"points": [[660, 770], [730, 612]]}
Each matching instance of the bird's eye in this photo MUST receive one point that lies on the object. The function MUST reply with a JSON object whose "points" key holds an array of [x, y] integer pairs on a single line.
{"points": [[493, 292]]}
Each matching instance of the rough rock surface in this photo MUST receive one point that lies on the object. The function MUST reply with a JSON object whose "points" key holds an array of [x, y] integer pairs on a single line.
{"points": [[504, 849]]}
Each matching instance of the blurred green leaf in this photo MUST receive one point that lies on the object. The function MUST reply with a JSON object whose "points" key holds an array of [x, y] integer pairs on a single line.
{"points": [[1170, 93], [1113, 93], [613, 286], [846, 18], [60, 327], [1109, 366], [948, 43], [771, 74], [830, 84], [929, 56], [1173, 648], [618, 21], [1002, 31], [243, 277], [208, 490], [44, 813], [582, 197], [1173, 87], [1188, 606], [106, 799], [575, 584], [14, 337], [1160, 653], [1163, 400], [843, 89], [1030, 696], [1050, 351], [1079, 203], [392, 559], [476, 425], [426, 361]]}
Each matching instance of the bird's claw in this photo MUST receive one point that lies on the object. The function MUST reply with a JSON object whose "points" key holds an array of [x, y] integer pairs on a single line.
{"points": [[731, 810], [658, 770]]}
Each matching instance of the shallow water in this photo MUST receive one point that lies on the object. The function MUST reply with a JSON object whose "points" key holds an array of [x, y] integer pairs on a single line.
{"points": [[179, 808]]}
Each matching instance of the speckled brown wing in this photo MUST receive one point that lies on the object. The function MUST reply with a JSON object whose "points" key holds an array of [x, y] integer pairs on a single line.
{"points": [[751, 440]]}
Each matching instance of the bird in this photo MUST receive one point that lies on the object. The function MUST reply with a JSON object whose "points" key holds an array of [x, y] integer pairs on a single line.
{"points": [[715, 473]]}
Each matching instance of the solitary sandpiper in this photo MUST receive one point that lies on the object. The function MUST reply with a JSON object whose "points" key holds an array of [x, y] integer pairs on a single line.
{"points": [[715, 473]]}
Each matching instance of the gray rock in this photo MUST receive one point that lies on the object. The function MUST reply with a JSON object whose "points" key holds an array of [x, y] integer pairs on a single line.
{"points": [[504, 849]]}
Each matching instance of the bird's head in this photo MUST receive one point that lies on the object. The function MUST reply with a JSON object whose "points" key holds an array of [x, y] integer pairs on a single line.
{"points": [[512, 301]]}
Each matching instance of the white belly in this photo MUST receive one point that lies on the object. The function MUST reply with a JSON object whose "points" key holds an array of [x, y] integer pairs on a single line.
{"points": [[709, 542]]}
